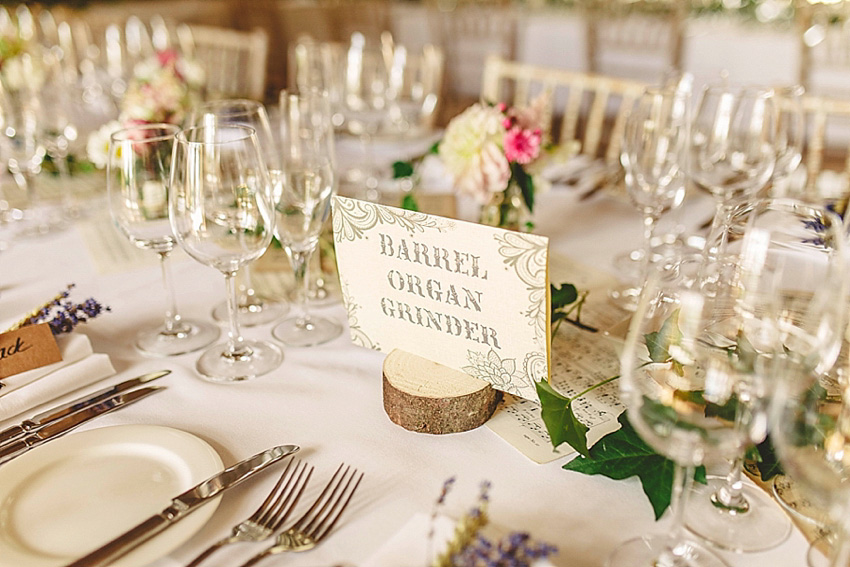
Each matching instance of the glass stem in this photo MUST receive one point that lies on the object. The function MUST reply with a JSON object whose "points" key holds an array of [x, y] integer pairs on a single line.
{"points": [[173, 325], [300, 268], [715, 242], [235, 343], [730, 496], [674, 556], [649, 223]]}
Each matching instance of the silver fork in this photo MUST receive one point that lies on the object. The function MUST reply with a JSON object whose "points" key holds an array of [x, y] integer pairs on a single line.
{"points": [[271, 514], [311, 528]]}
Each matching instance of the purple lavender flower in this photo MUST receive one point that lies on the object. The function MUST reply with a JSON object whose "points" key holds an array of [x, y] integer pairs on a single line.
{"points": [[62, 314]]}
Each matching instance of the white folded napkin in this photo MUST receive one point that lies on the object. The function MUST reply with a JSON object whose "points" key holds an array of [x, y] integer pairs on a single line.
{"points": [[72, 347], [79, 368]]}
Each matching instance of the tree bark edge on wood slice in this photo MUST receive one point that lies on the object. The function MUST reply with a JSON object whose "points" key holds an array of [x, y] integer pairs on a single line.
{"points": [[427, 397]]}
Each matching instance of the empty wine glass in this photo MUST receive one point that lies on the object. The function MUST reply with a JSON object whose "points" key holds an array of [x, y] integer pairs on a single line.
{"points": [[731, 151], [253, 309], [790, 132], [221, 213], [302, 203], [809, 425], [653, 147], [679, 385], [364, 108], [789, 243], [22, 116], [137, 180]]}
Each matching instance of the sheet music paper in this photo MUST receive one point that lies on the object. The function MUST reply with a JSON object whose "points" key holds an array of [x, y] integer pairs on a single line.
{"points": [[580, 359], [112, 253]]}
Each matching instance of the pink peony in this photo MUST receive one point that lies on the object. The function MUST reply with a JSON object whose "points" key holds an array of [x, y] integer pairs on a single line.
{"points": [[522, 146]]}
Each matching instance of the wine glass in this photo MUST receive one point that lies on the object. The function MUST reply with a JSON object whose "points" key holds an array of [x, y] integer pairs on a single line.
{"points": [[654, 141], [221, 213], [732, 150], [302, 204], [790, 133], [22, 115], [364, 109], [808, 422], [137, 181], [253, 309], [679, 383], [787, 241]]}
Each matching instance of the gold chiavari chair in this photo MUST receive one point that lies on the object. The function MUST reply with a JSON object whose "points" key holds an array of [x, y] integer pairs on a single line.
{"points": [[234, 61], [639, 40], [586, 108], [823, 35], [827, 147]]}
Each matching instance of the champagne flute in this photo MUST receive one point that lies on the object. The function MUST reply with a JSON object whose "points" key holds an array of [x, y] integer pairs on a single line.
{"points": [[302, 203], [731, 151], [221, 213], [790, 132], [653, 146], [137, 180], [253, 309]]}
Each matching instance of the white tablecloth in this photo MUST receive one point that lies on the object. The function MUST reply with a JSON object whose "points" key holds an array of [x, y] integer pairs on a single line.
{"points": [[327, 399]]}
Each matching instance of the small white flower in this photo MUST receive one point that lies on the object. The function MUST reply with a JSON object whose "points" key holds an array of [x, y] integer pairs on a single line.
{"points": [[97, 145]]}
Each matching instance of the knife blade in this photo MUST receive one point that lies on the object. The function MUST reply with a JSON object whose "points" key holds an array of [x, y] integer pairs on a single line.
{"points": [[182, 506], [68, 423], [60, 411]]}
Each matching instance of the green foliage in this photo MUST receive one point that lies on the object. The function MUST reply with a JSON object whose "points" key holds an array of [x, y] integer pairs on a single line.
{"points": [[409, 203], [402, 169], [561, 423], [624, 454], [526, 184]]}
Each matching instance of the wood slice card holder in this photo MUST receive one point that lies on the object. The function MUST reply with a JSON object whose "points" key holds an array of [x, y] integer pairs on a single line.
{"points": [[424, 396]]}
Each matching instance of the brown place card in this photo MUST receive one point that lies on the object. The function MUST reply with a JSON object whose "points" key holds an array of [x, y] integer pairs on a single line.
{"points": [[27, 348]]}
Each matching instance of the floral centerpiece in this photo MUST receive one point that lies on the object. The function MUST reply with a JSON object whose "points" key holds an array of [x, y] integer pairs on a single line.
{"points": [[162, 89], [17, 68], [493, 154]]}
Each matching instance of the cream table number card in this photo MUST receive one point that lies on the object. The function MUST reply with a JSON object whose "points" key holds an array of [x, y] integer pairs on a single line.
{"points": [[470, 297]]}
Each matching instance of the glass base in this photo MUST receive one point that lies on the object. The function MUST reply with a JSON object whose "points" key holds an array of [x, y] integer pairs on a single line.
{"points": [[188, 337], [256, 312], [257, 358], [663, 551], [297, 332], [39, 223], [763, 525]]}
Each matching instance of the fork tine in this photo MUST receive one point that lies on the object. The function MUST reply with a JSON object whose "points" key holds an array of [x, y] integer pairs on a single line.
{"points": [[333, 515], [269, 501], [286, 505]]}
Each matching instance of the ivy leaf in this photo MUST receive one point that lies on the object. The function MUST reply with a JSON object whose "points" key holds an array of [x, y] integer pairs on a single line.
{"points": [[560, 421], [658, 343], [623, 454], [563, 296], [766, 461], [409, 203], [402, 169]]}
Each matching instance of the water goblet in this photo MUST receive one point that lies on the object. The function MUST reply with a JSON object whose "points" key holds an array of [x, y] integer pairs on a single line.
{"points": [[302, 204], [137, 175], [785, 238], [253, 309], [653, 144], [790, 134], [221, 213], [731, 150]]}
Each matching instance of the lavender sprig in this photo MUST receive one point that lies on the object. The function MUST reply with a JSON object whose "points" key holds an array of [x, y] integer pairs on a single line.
{"points": [[62, 315]]}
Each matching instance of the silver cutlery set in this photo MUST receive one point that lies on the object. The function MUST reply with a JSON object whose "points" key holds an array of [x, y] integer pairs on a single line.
{"points": [[303, 534]]}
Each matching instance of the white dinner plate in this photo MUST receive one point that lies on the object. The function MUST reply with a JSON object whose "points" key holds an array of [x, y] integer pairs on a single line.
{"points": [[69, 496]]}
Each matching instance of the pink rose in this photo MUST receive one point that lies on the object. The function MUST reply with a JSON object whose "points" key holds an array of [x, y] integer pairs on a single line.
{"points": [[522, 146]]}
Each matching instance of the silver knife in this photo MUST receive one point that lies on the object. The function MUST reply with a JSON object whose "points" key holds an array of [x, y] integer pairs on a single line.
{"points": [[58, 412], [182, 506], [68, 423]]}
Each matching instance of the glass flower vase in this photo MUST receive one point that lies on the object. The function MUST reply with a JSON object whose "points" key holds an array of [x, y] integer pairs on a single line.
{"points": [[506, 209]]}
